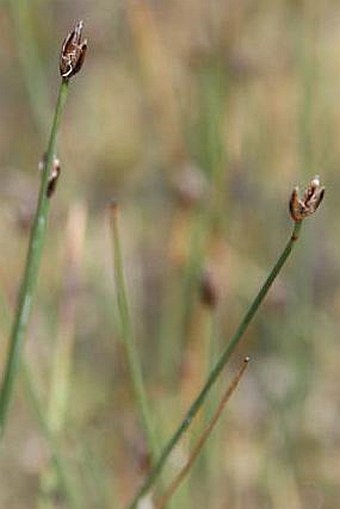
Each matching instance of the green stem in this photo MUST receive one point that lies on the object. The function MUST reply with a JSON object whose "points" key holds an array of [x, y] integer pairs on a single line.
{"points": [[127, 334], [70, 489], [31, 390], [217, 369], [32, 266]]}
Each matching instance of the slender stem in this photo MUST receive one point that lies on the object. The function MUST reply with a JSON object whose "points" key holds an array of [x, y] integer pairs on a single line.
{"points": [[164, 499], [32, 266], [127, 334], [61, 465], [216, 370], [71, 490]]}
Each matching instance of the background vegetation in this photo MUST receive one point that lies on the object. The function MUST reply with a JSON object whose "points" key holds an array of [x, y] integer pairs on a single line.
{"points": [[199, 117]]}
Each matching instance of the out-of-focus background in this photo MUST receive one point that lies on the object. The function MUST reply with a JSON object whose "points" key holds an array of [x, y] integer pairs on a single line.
{"points": [[199, 117]]}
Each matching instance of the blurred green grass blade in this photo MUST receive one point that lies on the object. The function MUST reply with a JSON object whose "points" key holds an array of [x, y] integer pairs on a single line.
{"points": [[178, 310], [133, 360], [71, 491], [30, 61], [64, 475]]}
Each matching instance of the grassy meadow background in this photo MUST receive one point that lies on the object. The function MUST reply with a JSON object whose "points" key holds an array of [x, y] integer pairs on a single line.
{"points": [[199, 117]]}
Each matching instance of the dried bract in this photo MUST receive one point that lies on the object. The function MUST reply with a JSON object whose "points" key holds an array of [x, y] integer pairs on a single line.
{"points": [[54, 174], [53, 178], [72, 52], [302, 207]]}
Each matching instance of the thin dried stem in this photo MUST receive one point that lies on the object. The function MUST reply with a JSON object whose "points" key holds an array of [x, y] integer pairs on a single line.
{"points": [[164, 499]]}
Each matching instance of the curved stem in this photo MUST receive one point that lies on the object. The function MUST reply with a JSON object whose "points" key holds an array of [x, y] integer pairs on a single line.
{"points": [[32, 266], [217, 369]]}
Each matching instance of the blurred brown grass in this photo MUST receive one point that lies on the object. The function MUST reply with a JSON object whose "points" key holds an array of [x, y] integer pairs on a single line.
{"points": [[199, 117]]}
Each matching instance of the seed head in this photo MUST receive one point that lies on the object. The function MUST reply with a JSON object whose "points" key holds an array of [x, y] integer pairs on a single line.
{"points": [[72, 52], [302, 207]]}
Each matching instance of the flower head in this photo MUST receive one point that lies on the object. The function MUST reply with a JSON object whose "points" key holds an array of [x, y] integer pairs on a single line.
{"points": [[72, 52], [302, 207]]}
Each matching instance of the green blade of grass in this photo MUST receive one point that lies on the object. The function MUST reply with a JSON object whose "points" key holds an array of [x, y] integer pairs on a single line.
{"points": [[32, 266]]}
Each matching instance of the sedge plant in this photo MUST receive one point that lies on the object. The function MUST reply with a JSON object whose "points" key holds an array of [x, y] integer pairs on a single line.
{"points": [[71, 60], [300, 208]]}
